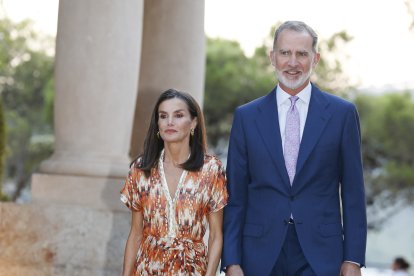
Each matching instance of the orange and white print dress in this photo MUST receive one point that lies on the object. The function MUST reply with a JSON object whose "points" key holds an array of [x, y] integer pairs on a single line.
{"points": [[174, 228]]}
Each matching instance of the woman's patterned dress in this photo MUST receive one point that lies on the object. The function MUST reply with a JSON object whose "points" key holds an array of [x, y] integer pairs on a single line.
{"points": [[174, 228]]}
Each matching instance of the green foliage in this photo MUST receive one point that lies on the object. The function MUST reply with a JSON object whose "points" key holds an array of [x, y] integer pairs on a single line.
{"points": [[26, 87], [329, 72], [2, 149], [233, 79], [387, 124], [387, 121], [49, 95]]}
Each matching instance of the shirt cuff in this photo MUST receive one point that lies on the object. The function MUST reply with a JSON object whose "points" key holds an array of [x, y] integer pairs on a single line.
{"points": [[353, 263]]}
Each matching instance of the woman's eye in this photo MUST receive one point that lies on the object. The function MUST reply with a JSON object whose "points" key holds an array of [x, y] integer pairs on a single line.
{"points": [[163, 116], [179, 115]]}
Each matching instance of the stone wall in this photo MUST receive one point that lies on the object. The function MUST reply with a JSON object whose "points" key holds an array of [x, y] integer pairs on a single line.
{"points": [[56, 239]]}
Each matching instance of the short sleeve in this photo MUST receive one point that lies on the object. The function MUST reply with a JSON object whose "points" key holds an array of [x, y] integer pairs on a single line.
{"points": [[218, 187], [130, 191]]}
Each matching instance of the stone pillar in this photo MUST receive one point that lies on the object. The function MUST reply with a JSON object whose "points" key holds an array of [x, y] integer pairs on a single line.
{"points": [[173, 56], [98, 49], [74, 227]]}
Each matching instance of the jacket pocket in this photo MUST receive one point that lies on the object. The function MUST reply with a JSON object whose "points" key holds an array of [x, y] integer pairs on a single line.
{"points": [[253, 230], [331, 229]]}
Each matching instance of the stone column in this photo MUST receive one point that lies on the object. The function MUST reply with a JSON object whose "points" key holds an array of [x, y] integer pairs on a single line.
{"points": [[98, 49], [173, 56], [72, 228]]}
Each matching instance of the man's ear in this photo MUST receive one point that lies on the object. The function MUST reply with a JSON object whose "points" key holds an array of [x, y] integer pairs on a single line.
{"points": [[316, 59], [271, 55]]}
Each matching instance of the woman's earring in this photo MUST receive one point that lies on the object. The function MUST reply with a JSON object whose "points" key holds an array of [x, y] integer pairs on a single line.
{"points": [[192, 132], [158, 134]]}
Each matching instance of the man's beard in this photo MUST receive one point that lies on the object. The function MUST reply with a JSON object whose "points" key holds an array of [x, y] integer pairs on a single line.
{"points": [[292, 84]]}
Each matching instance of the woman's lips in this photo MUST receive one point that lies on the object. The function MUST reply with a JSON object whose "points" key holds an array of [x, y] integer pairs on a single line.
{"points": [[169, 131]]}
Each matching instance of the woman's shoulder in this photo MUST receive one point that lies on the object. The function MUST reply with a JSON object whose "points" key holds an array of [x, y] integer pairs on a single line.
{"points": [[212, 160], [136, 163], [135, 166]]}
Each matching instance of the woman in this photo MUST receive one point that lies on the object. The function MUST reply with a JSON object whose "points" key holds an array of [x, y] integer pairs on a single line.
{"points": [[175, 191]]}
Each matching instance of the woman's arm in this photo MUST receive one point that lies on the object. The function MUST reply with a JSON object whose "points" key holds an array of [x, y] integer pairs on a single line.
{"points": [[215, 241], [133, 242]]}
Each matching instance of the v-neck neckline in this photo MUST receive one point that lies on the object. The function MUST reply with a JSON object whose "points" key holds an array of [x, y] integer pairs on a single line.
{"points": [[171, 201], [170, 197]]}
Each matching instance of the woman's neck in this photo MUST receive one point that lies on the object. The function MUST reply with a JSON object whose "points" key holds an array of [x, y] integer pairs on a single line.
{"points": [[176, 154]]}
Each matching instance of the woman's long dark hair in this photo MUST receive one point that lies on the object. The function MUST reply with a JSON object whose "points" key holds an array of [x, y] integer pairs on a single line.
{"points": [[153, 144]]}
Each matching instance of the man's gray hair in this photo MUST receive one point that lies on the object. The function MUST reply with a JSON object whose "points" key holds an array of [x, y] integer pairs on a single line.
{"points": [[297, 26]]}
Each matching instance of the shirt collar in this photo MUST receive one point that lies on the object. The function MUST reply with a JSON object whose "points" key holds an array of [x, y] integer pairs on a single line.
{"points": [[304, 95]]}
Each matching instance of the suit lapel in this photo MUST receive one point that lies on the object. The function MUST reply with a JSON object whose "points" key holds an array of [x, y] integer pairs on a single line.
{"points": [[316, 120], [267, 124]]}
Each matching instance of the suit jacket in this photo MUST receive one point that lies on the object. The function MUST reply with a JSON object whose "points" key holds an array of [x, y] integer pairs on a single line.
{"points": [[326, 199]]}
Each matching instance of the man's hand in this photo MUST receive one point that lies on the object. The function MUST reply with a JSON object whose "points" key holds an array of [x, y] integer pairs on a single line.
{"points": [[350, 269], [234, 270]]}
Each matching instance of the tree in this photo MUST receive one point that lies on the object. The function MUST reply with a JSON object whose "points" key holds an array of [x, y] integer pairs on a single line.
{"points": [[2, 149], [233, 79], [329, 73], [387, 124], [26, 86]]}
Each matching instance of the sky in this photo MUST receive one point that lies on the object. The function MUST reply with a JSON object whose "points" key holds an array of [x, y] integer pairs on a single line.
{"points": [[379, 57]]}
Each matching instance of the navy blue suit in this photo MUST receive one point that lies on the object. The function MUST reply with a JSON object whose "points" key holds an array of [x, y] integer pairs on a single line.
{"points": [[328, 171]]}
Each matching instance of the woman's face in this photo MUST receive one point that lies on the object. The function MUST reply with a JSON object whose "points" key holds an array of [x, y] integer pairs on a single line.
{"points": [[174, 121]]}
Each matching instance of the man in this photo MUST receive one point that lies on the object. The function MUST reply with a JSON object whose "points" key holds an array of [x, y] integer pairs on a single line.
{"points": [[297, 200]]}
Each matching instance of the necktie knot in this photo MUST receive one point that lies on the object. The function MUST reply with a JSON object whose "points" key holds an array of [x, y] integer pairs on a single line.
{"points": [[293, 100]]}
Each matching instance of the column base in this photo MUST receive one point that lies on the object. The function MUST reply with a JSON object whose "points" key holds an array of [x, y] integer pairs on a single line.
{"points": [[86, 165], [55, 239], [94, 192]]}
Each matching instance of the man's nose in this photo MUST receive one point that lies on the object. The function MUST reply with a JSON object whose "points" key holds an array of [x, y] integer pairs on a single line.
{"points": [[292, 60]]}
